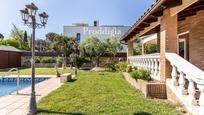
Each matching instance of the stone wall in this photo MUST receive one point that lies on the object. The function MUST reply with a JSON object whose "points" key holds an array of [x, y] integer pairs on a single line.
{"points": [[25, 62]]}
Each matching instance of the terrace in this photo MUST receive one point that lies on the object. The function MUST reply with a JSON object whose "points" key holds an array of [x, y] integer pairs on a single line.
{"points": [[179, 60]]}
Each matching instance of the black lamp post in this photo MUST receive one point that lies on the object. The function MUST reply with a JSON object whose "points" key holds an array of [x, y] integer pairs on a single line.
{"points": [[28, 16]]}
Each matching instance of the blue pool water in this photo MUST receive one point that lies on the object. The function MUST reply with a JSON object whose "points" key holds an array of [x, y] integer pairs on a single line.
{"points": [[8, 85]]}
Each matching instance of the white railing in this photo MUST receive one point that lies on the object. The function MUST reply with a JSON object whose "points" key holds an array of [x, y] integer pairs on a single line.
{"points": [[150, 62], [187, 83]]}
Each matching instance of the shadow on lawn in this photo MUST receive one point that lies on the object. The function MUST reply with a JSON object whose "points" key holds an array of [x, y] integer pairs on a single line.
{"points": [[142, 113], [72, 80], [57, 112]]}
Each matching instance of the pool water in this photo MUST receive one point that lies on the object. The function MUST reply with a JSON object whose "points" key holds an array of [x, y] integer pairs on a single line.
{"points": [[8, 85]]}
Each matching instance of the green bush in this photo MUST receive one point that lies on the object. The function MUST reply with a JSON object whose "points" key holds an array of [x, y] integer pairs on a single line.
{"points": [[138, 49], [45, 60], [110, 66], [129, 69], [10, 42], [141, 74], [151, 48], [78, 60], [52, 60], [37, 59], [121, 66]]}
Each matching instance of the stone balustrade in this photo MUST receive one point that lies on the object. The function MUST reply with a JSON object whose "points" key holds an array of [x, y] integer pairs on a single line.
{"points": [[187, 83], [150, 62]]}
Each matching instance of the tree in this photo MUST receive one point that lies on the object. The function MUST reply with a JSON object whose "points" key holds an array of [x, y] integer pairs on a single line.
{"points": [[21, 37], [24, 42], [16, 33], [1, 36], [151, 48], [51, 36], [64, 45], [138, 49], [93, 48], [25, 36], [112, 46]]}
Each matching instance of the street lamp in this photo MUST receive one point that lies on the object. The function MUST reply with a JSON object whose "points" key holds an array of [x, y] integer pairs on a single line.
{"points": [[28, 16]]}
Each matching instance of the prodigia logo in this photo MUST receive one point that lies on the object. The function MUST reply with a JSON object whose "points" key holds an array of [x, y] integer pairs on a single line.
{"points": [[113, 31]]}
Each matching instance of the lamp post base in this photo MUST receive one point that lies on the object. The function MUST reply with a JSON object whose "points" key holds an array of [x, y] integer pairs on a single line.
{"points": [[32, 105]]}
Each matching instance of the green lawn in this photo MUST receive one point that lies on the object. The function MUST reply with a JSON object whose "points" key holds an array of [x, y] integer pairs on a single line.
{"points": [[39, 71], [101, 93]]}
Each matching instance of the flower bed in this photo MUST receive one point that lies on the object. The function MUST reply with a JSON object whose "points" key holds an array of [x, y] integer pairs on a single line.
{"points": [[152, 89]]}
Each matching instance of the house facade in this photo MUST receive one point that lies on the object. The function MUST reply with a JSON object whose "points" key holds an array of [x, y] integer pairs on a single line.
{"points": [[179, 29]]}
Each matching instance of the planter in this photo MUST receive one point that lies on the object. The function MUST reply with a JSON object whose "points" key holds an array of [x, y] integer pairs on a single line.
{"points": [[65, 77], [151, 89]]}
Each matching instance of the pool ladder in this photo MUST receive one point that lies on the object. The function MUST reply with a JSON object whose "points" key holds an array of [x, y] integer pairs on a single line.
{"points": [[17, 79]]}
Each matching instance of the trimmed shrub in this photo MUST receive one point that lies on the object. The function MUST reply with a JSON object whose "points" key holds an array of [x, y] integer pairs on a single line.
{"points": [[121, 66], [141, 74]]}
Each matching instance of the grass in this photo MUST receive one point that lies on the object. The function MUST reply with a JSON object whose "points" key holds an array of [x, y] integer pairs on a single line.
{"points": [[101, 93], [38, 71]]}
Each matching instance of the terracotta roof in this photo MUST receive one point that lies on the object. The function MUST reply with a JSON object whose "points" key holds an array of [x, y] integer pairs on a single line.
{"points": [[156, 10]]}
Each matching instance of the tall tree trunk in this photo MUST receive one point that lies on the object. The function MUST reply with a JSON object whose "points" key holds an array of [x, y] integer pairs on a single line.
{"points": [[91, 62], [97, 61]]}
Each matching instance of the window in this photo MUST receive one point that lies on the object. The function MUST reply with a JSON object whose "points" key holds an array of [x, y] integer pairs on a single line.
{"points": [[78, 37]]}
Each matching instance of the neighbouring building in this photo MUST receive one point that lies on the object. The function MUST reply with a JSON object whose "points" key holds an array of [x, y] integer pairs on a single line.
{"points": [[81, 31], [178, 28], [9, 57]]}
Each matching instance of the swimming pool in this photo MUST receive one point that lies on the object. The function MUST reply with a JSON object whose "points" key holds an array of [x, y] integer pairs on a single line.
{"points": [[8, 85]]}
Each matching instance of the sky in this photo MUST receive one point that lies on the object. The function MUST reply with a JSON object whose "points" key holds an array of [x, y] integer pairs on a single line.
{"points": [[66, 12]]}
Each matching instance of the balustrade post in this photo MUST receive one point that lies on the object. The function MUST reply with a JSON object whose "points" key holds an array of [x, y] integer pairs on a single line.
{"points": [[174, 76], [201, 100], [136, 62], [143, 62], [140, 63], [152, 66], [156, 68], [159, 68], [191, 92], [146, 63], [149, 66], [182, 83]]}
